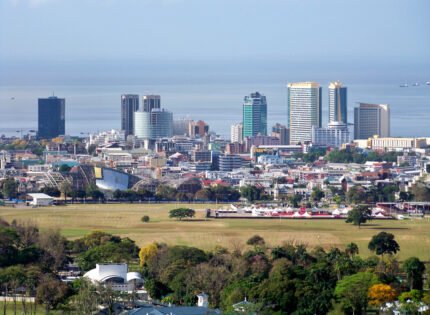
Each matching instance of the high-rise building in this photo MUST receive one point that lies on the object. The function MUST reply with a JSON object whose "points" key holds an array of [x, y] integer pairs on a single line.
{"points": [[129, 105], [236, 133], [254, 115], [150, 102], [181, 126], [153, 125], [51, 117], [337, 103], [371, 120], [336, 134], [197, 128], [303, 110], [281, 132]]}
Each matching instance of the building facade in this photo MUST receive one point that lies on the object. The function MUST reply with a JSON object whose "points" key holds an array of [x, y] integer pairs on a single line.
{"points": [[337, 103], [334, 135], [129, 105], [229, 162], [197, 128], [151, 102], [303, 110], [281, 132], [236, 134], [254, 115], [371, 120], [51, 117], [153, 125]]}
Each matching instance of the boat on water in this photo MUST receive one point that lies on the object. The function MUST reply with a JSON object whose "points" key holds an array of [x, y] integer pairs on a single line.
{"points": [[404, 85], [428, 82], [415, 84]]}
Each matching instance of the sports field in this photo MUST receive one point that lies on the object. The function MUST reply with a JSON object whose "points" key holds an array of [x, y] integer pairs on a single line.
{"points": [[124, 220]]}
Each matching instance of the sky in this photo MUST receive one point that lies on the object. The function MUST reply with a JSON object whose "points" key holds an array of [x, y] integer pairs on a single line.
{"points": [[188, 29], [179, 34]]}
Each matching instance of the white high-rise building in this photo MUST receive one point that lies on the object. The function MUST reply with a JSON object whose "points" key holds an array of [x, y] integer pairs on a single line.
{"points": [[334, 135], [371, 120], [237, 133], [303, 110]]}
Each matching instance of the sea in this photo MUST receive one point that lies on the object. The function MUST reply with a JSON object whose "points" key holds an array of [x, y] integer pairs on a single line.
{"points": [[93, 104]]}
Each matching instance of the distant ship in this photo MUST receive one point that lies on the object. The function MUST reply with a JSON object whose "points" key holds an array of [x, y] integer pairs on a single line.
{"points": [[428, 82], [415, 84], [404, 85]]}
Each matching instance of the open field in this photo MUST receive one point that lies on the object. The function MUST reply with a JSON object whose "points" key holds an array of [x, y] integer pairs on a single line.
{"points": [[124, 219]]}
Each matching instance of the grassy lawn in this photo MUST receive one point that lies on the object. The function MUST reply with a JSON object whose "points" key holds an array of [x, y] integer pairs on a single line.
{"points": [[124, 219]]}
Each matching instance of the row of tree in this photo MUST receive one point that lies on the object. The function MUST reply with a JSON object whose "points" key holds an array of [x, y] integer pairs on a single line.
{"points": [[286, 279]]}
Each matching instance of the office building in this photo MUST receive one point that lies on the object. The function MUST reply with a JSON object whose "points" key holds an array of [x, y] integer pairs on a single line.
{"points": [[236, 133], [371, 120], [51, 117], [181, 127], [334, 135], [303, 110], [151, 102], [197, 128], [254, 115], [282, 133], [201, 156], [229, 162], [129, 105], [153, 125], [337, 103]]}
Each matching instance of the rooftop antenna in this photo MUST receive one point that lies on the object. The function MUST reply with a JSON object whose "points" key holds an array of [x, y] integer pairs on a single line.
{"points": [[53, 94]]}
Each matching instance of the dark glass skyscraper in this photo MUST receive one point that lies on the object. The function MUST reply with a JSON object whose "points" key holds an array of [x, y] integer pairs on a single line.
{"points": [[51, 117], [129, 105], [150, 102], [337, 103]]}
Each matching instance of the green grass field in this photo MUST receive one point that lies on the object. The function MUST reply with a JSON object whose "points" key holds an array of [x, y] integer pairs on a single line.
{"points": [[77, 220]]}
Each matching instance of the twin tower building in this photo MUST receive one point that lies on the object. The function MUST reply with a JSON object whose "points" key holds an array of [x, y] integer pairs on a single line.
{"points": [[304, 115], [149, 121]]}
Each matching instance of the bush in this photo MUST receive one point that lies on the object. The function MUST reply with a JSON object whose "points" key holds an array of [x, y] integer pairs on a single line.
{"points": [[145, 218]]}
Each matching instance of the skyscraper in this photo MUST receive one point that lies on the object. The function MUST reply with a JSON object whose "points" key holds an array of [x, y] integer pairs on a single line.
{"points": [[153, 125], [129, 105], [303, 110], [371, 120], [150, 102], [254, 115], [236, 133], [337, 103], [51, 117], [281, 132]]}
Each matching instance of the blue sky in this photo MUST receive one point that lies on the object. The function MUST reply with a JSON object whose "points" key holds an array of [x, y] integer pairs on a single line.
{"points": [[174, 30]]}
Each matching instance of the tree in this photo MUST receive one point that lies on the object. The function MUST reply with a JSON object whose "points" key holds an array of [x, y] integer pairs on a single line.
{"points": [[359, 215], [94, 193], [251, 193], [420, 192], [181, 213], [65, 188], [383, 243], [337, 200], [351, 249], [10, 188], [352, 291], [357, 194], [50, 292], [414, 269], [317, 194], [147, 252], [256, 240], [145, 219], [380, 294]]}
